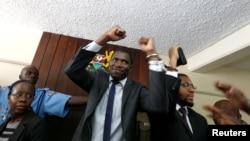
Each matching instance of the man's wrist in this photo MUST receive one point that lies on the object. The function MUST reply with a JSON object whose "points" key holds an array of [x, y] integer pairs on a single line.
{"points": [[153, 56], [170, 68], [102, 40]]}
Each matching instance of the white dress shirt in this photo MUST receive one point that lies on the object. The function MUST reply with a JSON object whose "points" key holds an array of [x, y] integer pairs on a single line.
{"points": [[99, 115]]}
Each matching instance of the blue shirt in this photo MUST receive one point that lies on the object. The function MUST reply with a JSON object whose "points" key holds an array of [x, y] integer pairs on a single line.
{"points": [[45, 102]]}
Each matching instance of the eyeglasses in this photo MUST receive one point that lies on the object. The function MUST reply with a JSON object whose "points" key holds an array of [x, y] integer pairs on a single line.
{"points": [[17, 96], [188, 86]]}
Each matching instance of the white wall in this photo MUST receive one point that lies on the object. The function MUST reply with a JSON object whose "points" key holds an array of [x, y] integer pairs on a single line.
{"points": [[17, 49]]}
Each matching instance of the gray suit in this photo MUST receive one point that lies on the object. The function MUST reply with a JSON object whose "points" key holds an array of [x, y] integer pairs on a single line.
{"points": [[135, 96]]}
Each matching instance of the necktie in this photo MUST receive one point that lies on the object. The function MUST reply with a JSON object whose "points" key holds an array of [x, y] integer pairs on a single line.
{"points": [[109, 111], [184, 115]]}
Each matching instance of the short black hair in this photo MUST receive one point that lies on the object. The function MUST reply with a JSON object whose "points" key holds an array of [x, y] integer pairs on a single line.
{"points": [[127, 51], [21, 81], [182, 74]]}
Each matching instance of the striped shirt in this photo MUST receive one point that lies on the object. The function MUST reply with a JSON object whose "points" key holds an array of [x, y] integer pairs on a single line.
{"points": [[8, 131]]}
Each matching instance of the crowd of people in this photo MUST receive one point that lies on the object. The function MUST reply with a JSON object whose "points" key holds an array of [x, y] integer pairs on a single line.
{"points": [[108, 117]]}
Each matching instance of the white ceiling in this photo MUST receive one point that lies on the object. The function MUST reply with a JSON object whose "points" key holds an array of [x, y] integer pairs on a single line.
{"points": [[193, 24]]}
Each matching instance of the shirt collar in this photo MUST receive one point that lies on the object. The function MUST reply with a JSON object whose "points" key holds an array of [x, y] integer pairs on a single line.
{"points": [[122, 82], [178, 107]]}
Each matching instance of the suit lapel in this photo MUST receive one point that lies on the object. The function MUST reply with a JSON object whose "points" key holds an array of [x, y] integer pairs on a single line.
{"points": [[20, 128], [98, 93], [3, 125], [18, 131], [126, 92], [193, 122]]}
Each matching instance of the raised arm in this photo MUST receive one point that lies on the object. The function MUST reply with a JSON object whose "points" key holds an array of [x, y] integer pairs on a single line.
{"points": [[161, 80]]}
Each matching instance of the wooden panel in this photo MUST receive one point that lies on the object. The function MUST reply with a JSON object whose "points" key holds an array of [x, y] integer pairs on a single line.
{"points": [[143, 68], [47, 60], [57, 62], [69, 52], [37, 60], [134, 74]]}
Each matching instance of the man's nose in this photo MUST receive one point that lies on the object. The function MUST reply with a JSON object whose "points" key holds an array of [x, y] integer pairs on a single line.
{"points": [[191, 89], [118, 63]]}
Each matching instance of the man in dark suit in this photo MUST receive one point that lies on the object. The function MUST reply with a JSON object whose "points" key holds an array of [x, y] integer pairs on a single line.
{"points": [[130, 96], [171, 125]]}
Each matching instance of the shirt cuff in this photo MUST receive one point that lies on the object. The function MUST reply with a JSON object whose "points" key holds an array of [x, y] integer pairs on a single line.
{"points": [[93, 46], [172, 73], [159, 67], [155, 66]]}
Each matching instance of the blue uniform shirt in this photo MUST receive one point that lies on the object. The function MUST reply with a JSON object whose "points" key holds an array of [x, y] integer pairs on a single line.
{"points": [[45, 102]]}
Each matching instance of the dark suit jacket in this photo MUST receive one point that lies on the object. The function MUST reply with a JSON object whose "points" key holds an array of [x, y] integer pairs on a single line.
{"points": [[135, 97], [169, 126], [31, 128]]}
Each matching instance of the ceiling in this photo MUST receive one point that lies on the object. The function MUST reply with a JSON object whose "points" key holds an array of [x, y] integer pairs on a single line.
{"points": [[196, 25]]}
